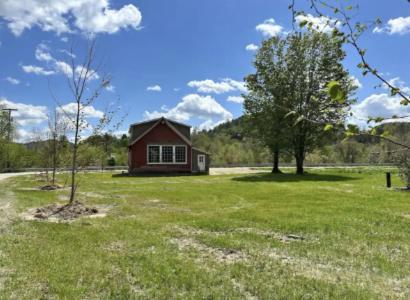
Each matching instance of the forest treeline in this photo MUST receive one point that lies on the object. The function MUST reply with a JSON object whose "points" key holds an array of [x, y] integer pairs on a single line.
{"points": [[234, 142], [229, 143]]}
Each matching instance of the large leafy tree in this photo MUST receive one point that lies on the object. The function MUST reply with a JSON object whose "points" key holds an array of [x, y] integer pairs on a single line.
{"points": [[264, 103], [290, 91]]}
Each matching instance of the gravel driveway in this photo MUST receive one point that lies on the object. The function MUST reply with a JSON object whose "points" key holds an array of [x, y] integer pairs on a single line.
{"points": [[9, 175]]}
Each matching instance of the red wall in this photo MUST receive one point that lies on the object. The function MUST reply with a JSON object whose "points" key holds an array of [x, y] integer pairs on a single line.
{"points": [[162, 135]]}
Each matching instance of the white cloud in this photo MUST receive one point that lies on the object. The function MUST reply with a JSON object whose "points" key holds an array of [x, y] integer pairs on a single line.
{"points": [[26, 114], [110, 88], [154, 88], [68, 53], [64, 39], [70, 109], [225, 86], [400, 25], [63, 67], [37, 70], [321, 24], [65, 16], [378, 105], [269, 28], [356, 82], [12, 80], [177, 89], [210, 86], [381, 105], [252, 47], [238, 85], [235, 99], [193, 106], [42, 53], [398, 83], [210, 124]]}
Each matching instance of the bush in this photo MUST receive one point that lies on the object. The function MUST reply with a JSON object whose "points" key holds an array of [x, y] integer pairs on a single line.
{"points": [[111, 161], [402, 161]]}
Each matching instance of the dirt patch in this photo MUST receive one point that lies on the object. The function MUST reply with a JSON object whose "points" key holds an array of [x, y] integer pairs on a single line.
{"points": [[117, 246], [236, 170], [242, 289], [228, 256], [68, 212], [51, 187], [285, 238], [335, 274]]}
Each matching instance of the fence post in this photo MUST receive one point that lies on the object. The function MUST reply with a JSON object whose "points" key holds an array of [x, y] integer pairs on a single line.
{"points": [[388, 179]]}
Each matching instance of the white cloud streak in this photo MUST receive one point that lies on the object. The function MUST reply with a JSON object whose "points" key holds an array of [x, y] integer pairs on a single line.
{"points": [[225, 86], [400, 25], [154, 88], [269, 28], [12, 80], [68, 16], [193, 106], [252, 47]]}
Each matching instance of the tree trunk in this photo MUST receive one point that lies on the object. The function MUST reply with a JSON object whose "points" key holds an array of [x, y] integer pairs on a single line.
{"points": [[300, 158], [54, 158], [74, 161], [275, 169]]}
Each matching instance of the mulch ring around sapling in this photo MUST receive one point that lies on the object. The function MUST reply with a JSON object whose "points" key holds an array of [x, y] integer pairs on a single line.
{"points": [[64, 213], [51, 187]]}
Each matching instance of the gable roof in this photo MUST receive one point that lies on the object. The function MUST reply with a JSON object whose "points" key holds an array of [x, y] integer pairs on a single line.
{"points": [[157, 119], [156, 122]]}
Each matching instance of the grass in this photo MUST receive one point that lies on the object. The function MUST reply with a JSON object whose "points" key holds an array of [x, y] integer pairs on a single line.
{"points": [[213, 237]]}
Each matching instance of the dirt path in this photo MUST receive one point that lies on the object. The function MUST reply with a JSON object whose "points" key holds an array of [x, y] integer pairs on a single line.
{"points": [[7, 212]]}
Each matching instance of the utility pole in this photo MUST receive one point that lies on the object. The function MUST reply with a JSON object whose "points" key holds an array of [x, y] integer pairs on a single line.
{"points": [[8, 110]]}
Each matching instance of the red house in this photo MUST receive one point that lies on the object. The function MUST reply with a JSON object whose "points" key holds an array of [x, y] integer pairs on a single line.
{"points": [[164, 146]]}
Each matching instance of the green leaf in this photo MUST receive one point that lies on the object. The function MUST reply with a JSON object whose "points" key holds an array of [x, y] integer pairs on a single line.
{"points": [[394, 91], [335, 91], [328, 127], [349, 7], [404, 102], [303, 23]]}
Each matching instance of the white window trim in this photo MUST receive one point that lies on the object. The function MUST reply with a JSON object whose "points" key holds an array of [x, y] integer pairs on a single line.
{"points": [[173, 155]]}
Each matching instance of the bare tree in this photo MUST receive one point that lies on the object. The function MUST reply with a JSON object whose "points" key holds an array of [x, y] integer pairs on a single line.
{"points": [[57, 127], [86, 85]]}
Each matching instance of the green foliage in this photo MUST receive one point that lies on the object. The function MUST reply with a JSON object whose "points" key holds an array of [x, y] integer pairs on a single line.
{"points": [[111, 161], [402, 161], [300, 86], [232, 142]]}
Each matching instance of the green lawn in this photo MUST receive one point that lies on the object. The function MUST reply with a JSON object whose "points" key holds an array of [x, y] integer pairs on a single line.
{"points": [[195, 237]]}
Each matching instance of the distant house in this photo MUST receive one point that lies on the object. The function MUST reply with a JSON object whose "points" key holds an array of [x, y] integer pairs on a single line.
{"points": [[164, 146]]}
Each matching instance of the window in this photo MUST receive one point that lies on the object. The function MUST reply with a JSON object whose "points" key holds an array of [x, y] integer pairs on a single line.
{"points": [[180, 154], [167, 154], [153, 154]]}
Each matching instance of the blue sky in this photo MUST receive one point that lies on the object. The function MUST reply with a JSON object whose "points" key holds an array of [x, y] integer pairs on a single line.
{"points": [[185, 59]]}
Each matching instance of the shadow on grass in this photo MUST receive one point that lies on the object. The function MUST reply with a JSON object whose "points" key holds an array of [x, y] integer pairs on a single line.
{"points": [[268, 177]]}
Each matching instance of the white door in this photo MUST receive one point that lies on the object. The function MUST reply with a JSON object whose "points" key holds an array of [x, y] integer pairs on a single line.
{"points": [[201, 162]]}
